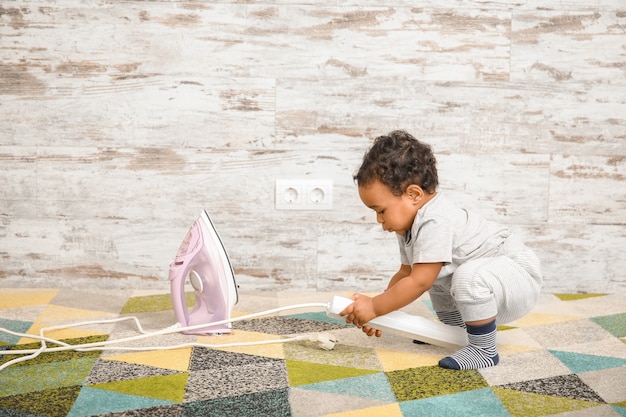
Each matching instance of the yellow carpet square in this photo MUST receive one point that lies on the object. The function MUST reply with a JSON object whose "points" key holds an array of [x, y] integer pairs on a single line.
{"points": [[393, 361], [12, 298], [537, 319], [389, 410], [175, 359], [55, 315]]}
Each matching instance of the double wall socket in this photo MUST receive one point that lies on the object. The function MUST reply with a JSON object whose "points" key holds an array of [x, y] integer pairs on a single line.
{"points": [[304, 194]]}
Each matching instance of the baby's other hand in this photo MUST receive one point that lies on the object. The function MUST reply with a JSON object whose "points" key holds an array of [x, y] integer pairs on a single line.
{"points": [[370, 331]]}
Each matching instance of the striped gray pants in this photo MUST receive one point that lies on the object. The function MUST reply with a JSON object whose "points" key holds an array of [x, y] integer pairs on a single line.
{"points": [[506, 285]]}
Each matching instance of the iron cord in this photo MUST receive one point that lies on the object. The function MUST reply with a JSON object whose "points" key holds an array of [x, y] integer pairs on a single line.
{"points": [[325, 341]]}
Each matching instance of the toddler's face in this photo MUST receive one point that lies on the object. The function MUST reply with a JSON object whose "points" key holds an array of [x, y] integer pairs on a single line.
{"points": [[394, 213]]}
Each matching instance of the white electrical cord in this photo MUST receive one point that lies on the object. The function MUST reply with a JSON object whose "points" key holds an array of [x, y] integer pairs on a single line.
{"points": [[326, 341]]}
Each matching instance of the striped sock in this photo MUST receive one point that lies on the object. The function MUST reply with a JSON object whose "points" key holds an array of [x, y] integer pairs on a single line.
{"points": [[481, 352], [451, 318]]}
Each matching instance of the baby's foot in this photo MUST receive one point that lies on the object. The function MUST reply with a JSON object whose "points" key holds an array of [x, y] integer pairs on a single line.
{"points": [[481, 352], [469, 358]]}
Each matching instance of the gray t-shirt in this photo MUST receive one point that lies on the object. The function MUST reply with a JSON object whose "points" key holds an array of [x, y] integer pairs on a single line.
{"points": [[443, 232]]}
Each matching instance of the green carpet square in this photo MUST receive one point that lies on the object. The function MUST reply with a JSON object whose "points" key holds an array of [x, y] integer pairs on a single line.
{"points": [[151, 303], [45, 376], [56, 356], [614, 324], [525, 404], [429, 381], [53, 402]]}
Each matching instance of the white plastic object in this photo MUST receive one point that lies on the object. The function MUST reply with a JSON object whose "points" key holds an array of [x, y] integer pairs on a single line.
{"points": [[407, 325], [326, 341]]}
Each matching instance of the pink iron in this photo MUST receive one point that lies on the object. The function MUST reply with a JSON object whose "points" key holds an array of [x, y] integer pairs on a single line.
{"points": [[203, 259]]}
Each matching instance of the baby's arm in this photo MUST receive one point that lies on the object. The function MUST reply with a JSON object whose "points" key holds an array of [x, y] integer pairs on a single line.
{"points": [[402, 290], [403, 272], [406, 289]]}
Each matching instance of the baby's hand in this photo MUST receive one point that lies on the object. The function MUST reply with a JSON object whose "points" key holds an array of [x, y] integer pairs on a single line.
{"points": [[360, 312], [370, 331]]}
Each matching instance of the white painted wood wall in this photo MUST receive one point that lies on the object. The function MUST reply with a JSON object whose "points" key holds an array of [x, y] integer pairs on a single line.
{"points": [[121, 120]]}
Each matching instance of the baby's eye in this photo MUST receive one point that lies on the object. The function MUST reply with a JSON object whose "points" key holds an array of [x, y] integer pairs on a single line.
{"points": [[381, 212]]}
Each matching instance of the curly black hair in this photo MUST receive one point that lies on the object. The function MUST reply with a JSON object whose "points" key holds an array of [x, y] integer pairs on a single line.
{"points": [[398, 160]]}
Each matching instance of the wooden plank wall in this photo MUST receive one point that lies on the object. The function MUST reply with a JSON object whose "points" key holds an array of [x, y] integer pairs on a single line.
{"points": [[121, 120]]}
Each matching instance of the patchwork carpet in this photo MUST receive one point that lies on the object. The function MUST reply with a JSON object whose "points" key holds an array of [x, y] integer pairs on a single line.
{"points": [[567, 357]]}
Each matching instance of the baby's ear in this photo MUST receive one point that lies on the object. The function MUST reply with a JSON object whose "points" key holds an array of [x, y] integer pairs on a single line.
{"points": [[415, 192]]}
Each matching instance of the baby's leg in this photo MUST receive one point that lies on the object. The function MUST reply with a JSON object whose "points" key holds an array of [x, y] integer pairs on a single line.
{"points": [[451, 318], [443, 303], [494, 289]]}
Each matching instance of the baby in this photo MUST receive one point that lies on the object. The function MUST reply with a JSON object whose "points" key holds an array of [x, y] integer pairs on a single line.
{"points": [[476, 272]]}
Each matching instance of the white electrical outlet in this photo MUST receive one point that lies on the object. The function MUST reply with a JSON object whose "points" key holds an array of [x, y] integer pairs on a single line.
{"points": [[304, 194]]}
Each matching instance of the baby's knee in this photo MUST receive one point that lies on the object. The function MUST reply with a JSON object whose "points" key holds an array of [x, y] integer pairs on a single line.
{"points": [[471, 283]]}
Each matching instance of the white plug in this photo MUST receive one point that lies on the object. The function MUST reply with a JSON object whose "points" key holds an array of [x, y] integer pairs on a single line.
{"points": [[326, 341]]}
